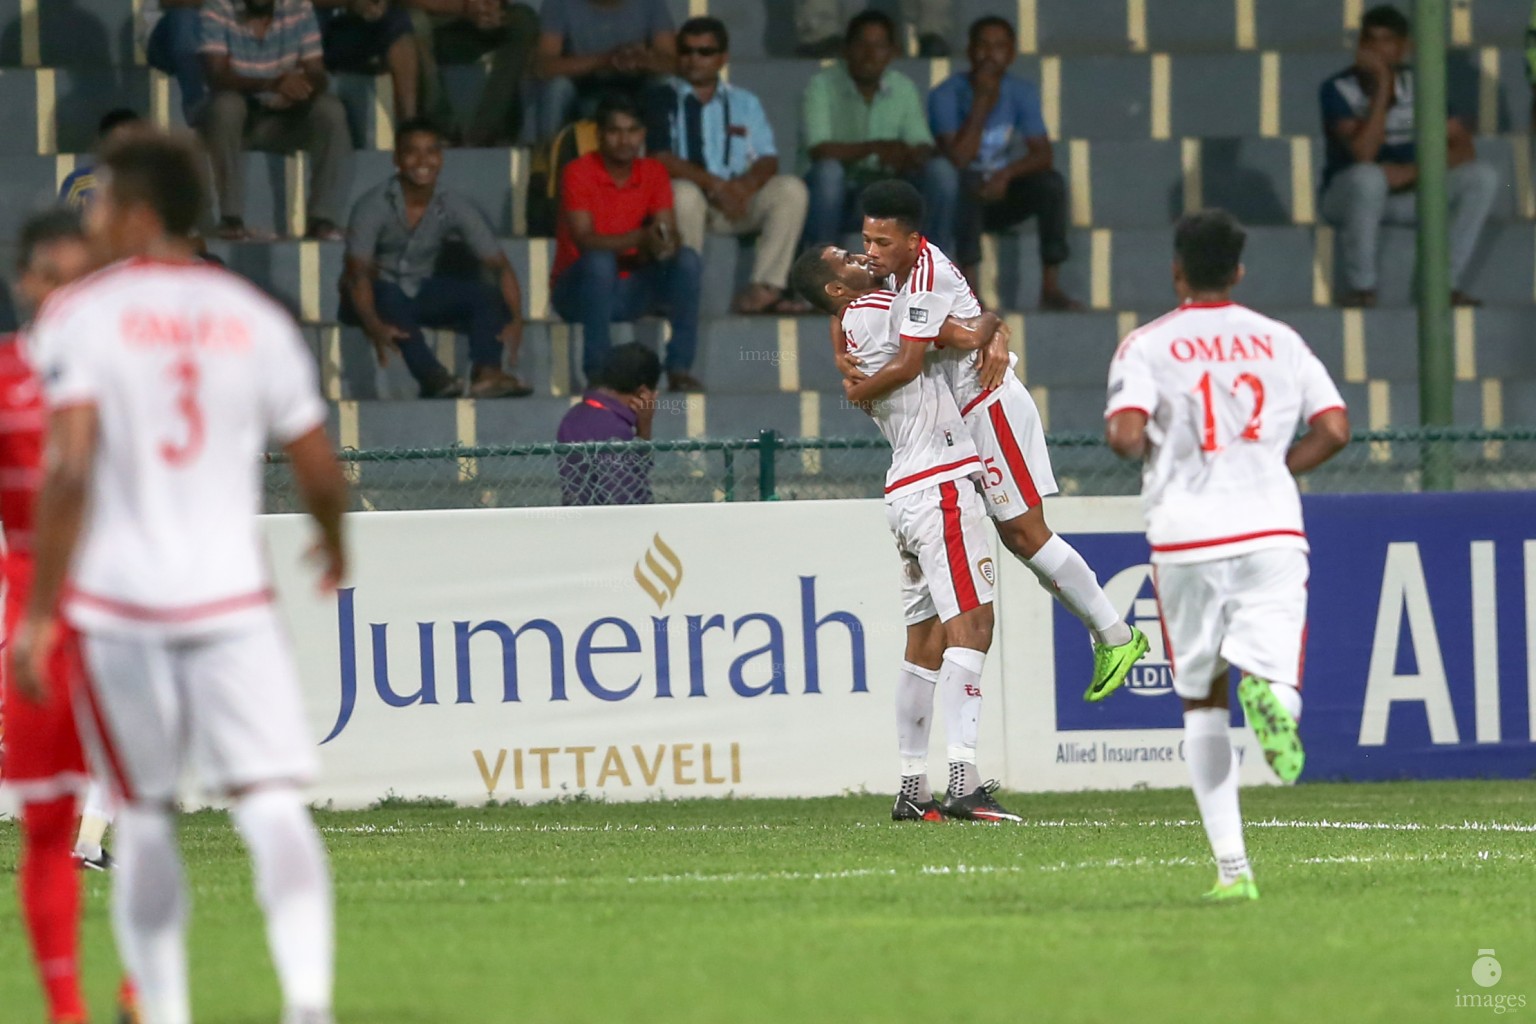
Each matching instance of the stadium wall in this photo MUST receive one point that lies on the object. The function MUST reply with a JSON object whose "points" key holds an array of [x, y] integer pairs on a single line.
{"points": [[749, 649]]}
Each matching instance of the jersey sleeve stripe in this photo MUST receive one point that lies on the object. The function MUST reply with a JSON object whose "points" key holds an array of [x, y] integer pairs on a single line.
{"points": [[973, 403], [921, 341], [1332, 408], [1128, 408]]}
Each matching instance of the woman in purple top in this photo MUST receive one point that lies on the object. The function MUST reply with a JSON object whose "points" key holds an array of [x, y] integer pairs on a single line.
{"points": [[619, 407]]}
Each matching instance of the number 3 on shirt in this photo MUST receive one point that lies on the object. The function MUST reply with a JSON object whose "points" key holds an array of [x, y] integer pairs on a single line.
{"points": [[190, 411], [1250, 432]]}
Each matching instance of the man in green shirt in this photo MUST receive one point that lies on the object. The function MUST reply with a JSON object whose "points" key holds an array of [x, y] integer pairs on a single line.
{"points": [[861, 122]]}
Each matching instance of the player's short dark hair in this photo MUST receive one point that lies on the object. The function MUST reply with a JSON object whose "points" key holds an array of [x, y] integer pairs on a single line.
{"points": [[162, 171], [416, 126], [810, 276], [615, 103], [1388, 17], [45, 228], [894, 199], [706, 26], [628, 368], [869, 17], [114, 118], [980, 25], [1209, 245]]}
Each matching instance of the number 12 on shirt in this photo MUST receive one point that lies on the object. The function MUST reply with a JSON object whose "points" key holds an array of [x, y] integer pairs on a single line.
{"points": [[1209, 394]]}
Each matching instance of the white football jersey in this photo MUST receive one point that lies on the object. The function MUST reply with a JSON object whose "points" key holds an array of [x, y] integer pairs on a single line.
{"points": [[1224, 390], [936, 289], [192, 371], [929, 441]]}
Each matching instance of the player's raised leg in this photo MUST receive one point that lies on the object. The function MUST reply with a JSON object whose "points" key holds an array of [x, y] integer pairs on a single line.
{"points": [[914, 720]]}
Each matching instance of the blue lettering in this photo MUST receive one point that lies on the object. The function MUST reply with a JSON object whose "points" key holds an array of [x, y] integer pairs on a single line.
{"points": [[427, 692], [586, 648], [463, 633], [697, 627], [774, 648], [811, 626], [346, 627], [663, 656]]}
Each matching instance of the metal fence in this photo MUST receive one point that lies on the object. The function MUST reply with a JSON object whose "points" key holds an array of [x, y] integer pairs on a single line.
{"points": [[773, 467]]}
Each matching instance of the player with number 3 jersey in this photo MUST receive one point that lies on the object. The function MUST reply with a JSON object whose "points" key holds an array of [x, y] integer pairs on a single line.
{"points": [[1210, 397]]}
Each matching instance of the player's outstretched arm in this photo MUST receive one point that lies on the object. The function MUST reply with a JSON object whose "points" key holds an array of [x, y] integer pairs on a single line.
{"points": [[1327, 434], [1126, 432], [900, 371], [61, 502], [323, 487]]}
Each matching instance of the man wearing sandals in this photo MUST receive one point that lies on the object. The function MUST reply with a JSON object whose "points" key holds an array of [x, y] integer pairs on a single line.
{"points": [[716, 143], [391, 289]]}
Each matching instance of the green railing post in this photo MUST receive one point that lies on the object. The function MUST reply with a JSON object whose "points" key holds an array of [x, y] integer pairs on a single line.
{"points": [[767, 465], [1437, 367], [729, 455]]}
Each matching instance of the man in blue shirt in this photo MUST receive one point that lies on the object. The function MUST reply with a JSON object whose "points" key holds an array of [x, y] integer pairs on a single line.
{"points": [[989, 124], [717, 145], [78, 191], [1371, 172], [620, 406]]}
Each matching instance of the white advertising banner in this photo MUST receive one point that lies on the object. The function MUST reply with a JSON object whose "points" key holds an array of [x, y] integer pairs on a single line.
{"points": [[703, 650]]}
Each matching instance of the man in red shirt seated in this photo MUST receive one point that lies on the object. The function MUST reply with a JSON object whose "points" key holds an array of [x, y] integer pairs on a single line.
{"points": [[617, 256]]}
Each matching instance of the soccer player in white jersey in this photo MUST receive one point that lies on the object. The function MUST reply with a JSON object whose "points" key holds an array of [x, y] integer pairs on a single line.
{"points": [[1003, 421], [1211, 396], [165, 379], [936, 515]]}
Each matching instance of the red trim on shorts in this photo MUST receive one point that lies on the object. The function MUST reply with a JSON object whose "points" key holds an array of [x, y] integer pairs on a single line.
{"points": [[1013, 456], [925, 474], [1157, 595], [1219, 541], [973, 403], [87, 685], [954, 548], [187, 613], [1320, 412]]}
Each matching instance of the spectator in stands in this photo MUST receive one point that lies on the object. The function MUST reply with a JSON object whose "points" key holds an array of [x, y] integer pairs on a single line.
{"points": [[264, 65], [456, 32], [1370, 174], [817, 24], [592, 48], [391, 286], [617, 256], [370, 37], [78, 190], [170, 33], [620, 406], [862, 122], [989, 124], [715, 141]]}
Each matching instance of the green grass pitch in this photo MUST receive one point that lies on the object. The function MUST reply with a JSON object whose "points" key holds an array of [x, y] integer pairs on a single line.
{"points": [[1376, 901]]}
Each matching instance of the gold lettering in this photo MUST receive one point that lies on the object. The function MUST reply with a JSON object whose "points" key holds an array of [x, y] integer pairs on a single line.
{"points": [[616, 762], [581, 762], [709, 767], [679, 763], [487, 775], [735, 762], [517, 768], [652, 771], [542, 753]]}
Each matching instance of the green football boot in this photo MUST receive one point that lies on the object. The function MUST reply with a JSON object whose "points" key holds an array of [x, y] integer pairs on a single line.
{"points": [[1274, 727], [1240, 888], [1112, 664]]}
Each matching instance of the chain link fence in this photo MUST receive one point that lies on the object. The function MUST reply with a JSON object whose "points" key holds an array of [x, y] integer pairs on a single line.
{"points": [[772, 467]]}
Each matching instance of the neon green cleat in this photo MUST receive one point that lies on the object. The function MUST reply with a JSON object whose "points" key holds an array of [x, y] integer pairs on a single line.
{"points": [[1240, 888], [1112, 664], [1274, 727]]}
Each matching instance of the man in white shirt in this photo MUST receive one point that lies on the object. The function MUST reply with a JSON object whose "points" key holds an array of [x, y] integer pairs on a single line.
{"points": [[936, 515], [165, 380], [1001, 417], [1210, 396]]}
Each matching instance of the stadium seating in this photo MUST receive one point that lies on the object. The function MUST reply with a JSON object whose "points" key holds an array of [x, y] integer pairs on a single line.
{"points": [[1156, 108]]}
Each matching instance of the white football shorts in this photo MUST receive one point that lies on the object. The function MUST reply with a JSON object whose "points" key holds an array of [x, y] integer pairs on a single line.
{"points": [[1011, 442], [945, 549], [1249, 611], [227, 704]]}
